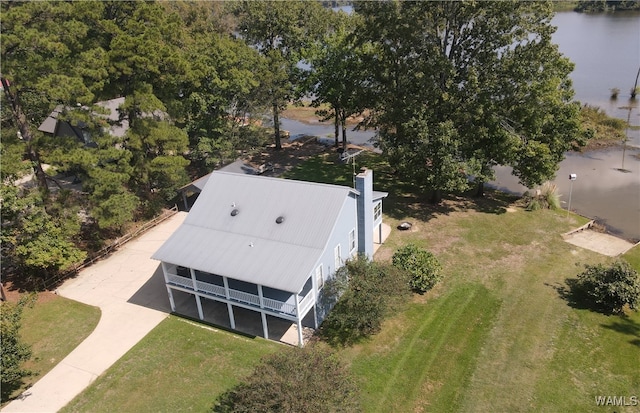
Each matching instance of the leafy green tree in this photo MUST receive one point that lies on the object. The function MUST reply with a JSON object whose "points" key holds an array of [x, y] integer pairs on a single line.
{"points": [[334, 77], [489, 68], [37, 239], [311, 379], [145, 53], [608, 288], [67, 69], [431, 157], [217, 101], [15, 352], [280, 32], [156, 148], [421, 265]]}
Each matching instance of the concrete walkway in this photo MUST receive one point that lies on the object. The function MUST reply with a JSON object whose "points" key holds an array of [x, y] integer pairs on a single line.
{"points": [[599, 242], [131, 307]]}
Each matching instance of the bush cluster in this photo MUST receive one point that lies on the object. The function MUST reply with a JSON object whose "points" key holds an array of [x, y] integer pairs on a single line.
{"points": [[371, 291], [311, 379], [546, 197], [15, 352], [608, 288], [422, 267]]}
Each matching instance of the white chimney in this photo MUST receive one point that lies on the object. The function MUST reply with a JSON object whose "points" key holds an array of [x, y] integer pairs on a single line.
{"points": [[364, 185]]}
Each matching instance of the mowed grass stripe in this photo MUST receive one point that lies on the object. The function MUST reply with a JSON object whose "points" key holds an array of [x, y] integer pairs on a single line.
{"points": [[179, 366], [437, 346], [410, 353]]}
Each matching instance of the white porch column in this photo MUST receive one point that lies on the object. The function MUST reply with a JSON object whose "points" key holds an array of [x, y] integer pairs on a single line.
{"points": [[166, 281], [232, 320], [164, 271], [265, 328], [315, 302], [299, 321], [184, 199], [171, 302], [195, 288]]}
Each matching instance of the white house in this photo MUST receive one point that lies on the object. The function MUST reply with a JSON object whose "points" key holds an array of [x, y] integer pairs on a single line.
{"points": [[269, 244]]}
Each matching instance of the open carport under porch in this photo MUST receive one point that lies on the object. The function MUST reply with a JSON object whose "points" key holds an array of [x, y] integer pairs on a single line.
{"points": [[241, 306]]}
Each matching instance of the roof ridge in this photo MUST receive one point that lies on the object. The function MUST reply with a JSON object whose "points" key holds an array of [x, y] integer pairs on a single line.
{"points": [[279, 179], [253, 236]]}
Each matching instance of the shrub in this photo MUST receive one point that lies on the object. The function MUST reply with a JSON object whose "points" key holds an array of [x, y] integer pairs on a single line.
{"points": [[373, 289], [422, 267], [296, 380], [544, 197], [608, 288], [14, 351]]}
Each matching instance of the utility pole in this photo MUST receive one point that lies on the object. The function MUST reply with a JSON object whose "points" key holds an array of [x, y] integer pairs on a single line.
{"points": [[626, 136], [572, 177]]}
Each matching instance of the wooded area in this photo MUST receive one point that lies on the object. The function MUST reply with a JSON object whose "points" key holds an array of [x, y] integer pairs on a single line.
{"points": [[453, 89]]}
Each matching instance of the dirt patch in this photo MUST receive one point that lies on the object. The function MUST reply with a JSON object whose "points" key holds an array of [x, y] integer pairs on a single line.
{"points": [[12, 295], [291, 154], [276, 162]]}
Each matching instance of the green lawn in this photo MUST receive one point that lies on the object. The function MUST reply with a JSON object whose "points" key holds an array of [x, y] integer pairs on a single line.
{"points": [[179, 366], [633, 256], [496, 335], [53, 328], [423, 358]]}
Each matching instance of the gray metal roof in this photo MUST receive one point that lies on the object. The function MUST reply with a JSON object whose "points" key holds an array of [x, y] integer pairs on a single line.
{"points": [[117, 127], [379, 195], [49, 124], [251, 246], [196, 186]]}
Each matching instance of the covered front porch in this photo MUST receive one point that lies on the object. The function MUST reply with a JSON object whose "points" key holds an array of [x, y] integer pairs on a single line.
{"points": [[212, 294]]}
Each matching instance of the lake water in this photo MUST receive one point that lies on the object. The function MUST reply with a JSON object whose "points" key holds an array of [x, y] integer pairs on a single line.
{"points": [[606, 51], [605, 48]]}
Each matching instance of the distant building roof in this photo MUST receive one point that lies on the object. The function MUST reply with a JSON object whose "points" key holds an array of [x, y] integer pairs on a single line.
{"points": [[117, 127], [232, 231], [196, 186], [49, 124]]}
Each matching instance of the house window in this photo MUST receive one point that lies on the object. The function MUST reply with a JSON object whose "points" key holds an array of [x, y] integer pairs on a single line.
{"points": [[338, 256], [352, 241], [319, 277], [377, 211]]}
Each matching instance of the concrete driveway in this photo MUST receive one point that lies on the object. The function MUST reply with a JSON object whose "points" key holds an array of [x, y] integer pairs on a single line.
{"points": [[131, 304]]}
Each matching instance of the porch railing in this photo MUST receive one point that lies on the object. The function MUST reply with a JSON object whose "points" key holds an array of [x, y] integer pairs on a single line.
{"points": [[239, 296]]}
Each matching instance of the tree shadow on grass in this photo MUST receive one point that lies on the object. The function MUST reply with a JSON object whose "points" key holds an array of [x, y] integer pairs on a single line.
{"points": [[625, 325], [8, 389], [619, 322], [567, 293], [412, 203], [405, 200]]}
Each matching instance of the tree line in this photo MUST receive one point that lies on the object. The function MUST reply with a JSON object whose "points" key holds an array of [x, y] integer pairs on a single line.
{"points": [[597, 6], [452, 88]]}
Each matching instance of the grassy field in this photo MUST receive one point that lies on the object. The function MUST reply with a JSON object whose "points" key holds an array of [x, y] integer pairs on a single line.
{"points": [[307, 114], [496, 335], [633, 256], [53, 327], [179, 366]]}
